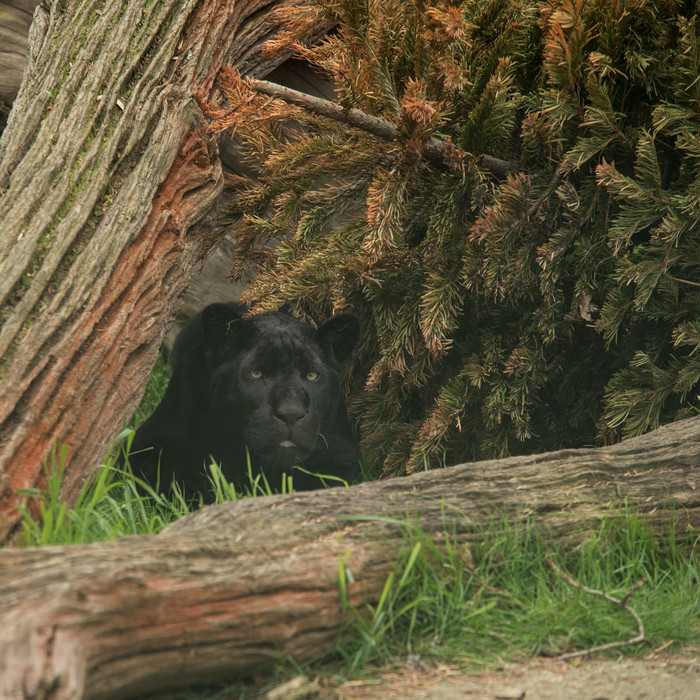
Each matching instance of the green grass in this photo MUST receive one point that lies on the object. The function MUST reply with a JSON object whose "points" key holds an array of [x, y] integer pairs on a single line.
{"points": [[117, 503], [444, 603], [109, 506], [502, 600], [155, 389], [496, 601]]}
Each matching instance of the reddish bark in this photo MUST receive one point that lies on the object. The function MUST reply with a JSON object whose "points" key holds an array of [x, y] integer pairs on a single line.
{"points": [[117, 213], [235, 588]]}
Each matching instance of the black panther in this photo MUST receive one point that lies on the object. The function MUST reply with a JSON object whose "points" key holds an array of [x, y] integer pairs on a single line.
{"points": [[263, 390]]}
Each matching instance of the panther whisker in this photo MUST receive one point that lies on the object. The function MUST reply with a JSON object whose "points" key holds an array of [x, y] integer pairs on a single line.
{"points": [[324, 440]]}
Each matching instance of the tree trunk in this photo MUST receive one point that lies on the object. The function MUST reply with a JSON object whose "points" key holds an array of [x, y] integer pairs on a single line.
{"points": [[107, 182], [233, 588]]}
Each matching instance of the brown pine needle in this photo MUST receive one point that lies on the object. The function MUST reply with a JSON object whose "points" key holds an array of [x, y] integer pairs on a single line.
{"points": [[438, 151]]}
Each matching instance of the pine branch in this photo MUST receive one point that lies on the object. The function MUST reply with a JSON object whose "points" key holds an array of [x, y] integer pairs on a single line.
{"points": [[547, 192], [462, 265], [437, 151], [682, 281]]}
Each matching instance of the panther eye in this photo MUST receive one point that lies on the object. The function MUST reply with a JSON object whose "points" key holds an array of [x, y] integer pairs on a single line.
{"points": [[255, 374], [312, 376]]}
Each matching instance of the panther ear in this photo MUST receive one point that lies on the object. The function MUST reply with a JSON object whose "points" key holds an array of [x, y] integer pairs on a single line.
{"points": [[338, 337], [219, 325]]}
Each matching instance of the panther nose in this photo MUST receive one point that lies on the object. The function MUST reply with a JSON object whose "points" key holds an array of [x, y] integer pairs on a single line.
{"points": [[290, 412]]}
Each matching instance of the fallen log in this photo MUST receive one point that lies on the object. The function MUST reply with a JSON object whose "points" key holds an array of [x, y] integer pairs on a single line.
{"points": [[236, 587], [15, 18]]}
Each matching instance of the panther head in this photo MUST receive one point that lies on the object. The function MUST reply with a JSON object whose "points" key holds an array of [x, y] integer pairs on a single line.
{"points": [[275, 384]]}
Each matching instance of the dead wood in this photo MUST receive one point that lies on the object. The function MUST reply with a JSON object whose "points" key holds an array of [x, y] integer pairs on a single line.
{"points": [[15, 18], [108, 179], [435, 150], [236, 587]]}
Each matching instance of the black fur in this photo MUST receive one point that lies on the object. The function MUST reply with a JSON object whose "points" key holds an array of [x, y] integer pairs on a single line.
{"points": [[267, 382]]}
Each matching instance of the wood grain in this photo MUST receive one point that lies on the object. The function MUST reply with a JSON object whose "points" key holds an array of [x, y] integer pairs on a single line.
{"points": [[233, 588]]}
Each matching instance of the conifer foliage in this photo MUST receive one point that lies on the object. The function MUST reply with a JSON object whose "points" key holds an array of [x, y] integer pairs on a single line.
{"points": [[554, 303]]}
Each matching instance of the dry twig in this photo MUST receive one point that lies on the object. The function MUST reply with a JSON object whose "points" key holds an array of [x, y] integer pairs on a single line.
{"points": [[442, 152], [620, 602]]}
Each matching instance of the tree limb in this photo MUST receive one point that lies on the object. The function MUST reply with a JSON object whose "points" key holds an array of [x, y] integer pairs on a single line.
{"points": [[437, 151], [108, 184]]}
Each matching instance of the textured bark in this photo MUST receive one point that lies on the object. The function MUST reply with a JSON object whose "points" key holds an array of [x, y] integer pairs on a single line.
{"points": [[232, 588], [107, 182]]}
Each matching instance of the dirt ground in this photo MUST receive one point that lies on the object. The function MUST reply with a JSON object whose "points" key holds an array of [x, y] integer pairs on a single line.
{"points": [[663, 677], [674, 677]]}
